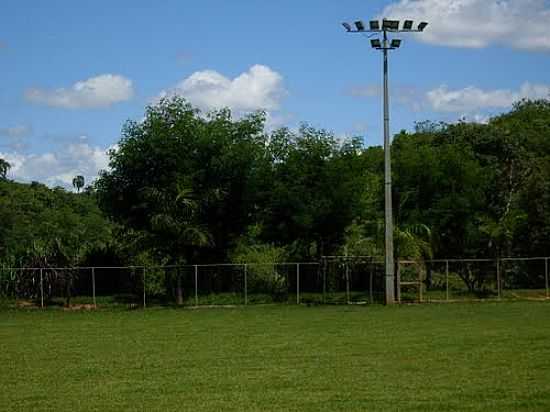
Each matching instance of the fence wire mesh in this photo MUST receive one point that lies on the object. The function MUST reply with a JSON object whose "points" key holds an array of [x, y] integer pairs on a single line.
{"points": [[525, 278], [353, 280], [334, 280], [475, 279]]}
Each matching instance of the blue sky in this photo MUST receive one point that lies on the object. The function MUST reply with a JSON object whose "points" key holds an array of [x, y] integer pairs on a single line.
{"points": [[74, 71]]}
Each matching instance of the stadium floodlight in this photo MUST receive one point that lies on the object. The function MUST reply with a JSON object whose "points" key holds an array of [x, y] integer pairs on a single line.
{"points": [[360, 26], [384, 44], [374, 25], [408, 25], [376, 44], [346, 26], [390, 25]]}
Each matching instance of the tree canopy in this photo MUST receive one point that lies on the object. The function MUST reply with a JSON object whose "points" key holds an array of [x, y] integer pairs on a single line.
{"points": [[185, 186]]}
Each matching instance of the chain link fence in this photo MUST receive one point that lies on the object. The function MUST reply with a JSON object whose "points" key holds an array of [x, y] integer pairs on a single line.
{"points": [[474, 279], [333, 280]]}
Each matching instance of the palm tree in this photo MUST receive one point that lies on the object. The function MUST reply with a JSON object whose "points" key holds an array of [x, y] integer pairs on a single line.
{"points": [[78, 183], [4, 167], [413, 241], [174, 227]]}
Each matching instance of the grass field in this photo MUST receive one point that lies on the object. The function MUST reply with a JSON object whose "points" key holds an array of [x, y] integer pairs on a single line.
{"points": [[474, 357]]}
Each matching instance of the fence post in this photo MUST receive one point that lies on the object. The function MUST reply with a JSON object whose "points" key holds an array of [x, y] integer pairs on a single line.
{"points": [[546, 278], [245, 284], [298, 283], [325, 266], [371, 269], [398, 281], [144, 297], [348, 300], [93, 288], [447, 280], [41, 289], [420, 287], [196, 285], [498, 278]]}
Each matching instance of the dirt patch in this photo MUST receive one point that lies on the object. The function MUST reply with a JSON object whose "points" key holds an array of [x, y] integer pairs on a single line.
{"points": [[25, 304], [80, 307]]}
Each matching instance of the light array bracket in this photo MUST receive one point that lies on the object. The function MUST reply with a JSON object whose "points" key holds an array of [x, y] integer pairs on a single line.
{"points": [[387, 26]]}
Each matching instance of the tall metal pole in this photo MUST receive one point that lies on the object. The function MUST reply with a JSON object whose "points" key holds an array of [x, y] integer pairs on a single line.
{"points": [[385, 45], [388, 215]]}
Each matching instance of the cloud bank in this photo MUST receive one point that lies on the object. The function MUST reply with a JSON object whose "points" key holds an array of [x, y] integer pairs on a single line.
{"points": [[96, 92], [469, 99], [521, 24], [259, 88], [60, 167], [15, 137]]}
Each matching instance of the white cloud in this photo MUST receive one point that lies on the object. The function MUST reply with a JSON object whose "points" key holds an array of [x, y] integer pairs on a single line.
{"points": [[14, 138], [521, 24], [96, 92], [276, 120], [472, 99], [258, 88], [478, 118], [58, 168], [15, 132]]}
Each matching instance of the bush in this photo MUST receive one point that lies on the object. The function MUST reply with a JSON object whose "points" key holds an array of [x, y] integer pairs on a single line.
{"points": [[263, 274]]}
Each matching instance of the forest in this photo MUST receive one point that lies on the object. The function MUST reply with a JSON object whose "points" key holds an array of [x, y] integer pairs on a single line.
{"points": [[185, 187]]}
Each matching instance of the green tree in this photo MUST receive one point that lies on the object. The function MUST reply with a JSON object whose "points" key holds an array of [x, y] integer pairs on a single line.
{"points": [[315, 191], [4, 168], [78, 183], [184, 181], [262, 259], [32, 213]]}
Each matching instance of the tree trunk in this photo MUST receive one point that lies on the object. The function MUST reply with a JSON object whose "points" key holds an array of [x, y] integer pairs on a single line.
{"points": [[429, 277], [179, 288], [68, 289]]}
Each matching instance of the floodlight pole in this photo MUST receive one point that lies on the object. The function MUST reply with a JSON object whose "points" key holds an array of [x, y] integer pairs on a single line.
{"points": [[374, 27], [388, 210]]}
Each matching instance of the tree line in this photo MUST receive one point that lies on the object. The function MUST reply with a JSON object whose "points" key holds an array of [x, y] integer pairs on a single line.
{"points": [[187, 187]]}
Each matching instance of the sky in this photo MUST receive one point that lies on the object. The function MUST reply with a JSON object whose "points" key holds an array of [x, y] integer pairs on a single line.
{"points": [[72, 72]]}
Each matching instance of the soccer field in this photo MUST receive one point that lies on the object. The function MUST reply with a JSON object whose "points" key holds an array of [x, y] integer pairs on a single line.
{"points": [[474, 357]]}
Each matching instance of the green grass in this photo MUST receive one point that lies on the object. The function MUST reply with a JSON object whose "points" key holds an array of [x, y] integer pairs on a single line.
{"points": [[474, 357]]}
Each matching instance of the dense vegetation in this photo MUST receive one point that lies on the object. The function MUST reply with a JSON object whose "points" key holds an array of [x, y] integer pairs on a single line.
{"points": [[188, 187], [54, 225]]}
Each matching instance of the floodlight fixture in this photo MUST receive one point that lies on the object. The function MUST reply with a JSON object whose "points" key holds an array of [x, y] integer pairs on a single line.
{"points": [[360, 26], [395, 43], [408, 25], [390, 25], [376, 44], [346, 26], [422, 26], [374, 25]]}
